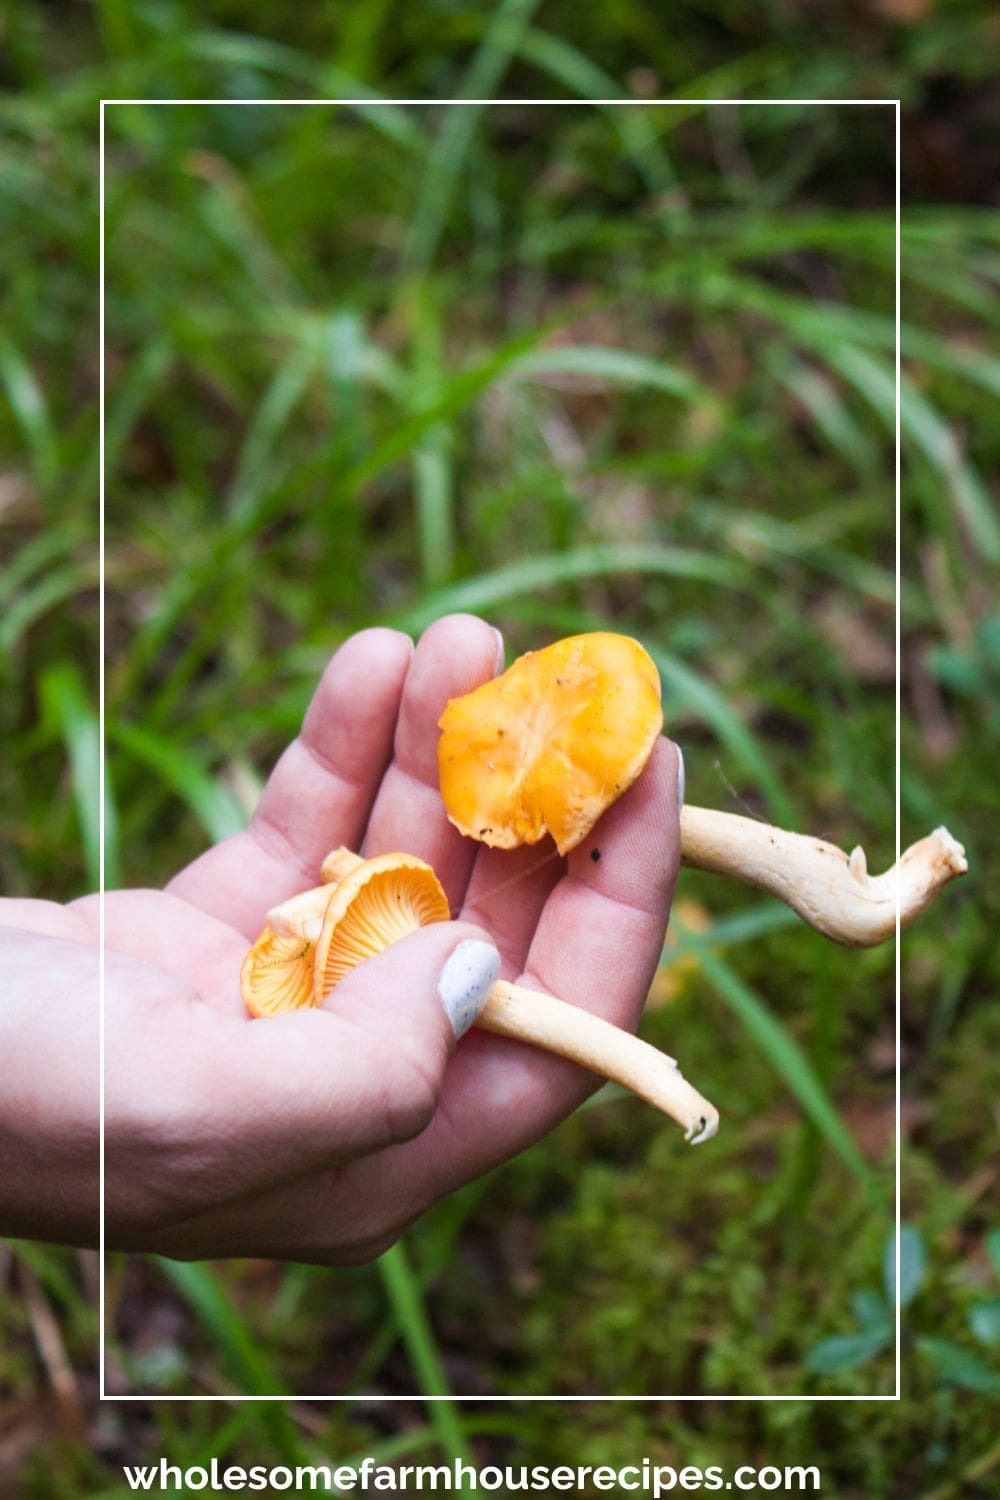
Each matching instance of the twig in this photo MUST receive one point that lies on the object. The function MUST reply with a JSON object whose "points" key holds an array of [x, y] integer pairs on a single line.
{"points": [[51, 1350]]}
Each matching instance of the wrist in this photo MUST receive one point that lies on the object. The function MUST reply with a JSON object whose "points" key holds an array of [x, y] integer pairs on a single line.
{"points": [[49, 1115]]}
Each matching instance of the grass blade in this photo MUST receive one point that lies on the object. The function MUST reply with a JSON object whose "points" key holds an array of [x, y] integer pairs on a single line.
{"points": [[201, 1291], [53, 588], [696, 691], [407, 1302], [34, 556], [460, 121], [127, 401], [432, 459], [49, 1262], [433, 490], [739, 927], [214, 805], [449, 400], [66, 703], [117, 29], [30, 411], [789, 1061], [227, 50], [619, 366], [812, 543], [276, 407], [531, 574], [238, 1349], [581, 75], [932, 435]]}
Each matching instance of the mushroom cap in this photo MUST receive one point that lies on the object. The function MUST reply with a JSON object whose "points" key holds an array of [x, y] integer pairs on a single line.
{"points": [[551, 743], [277, 974], [379, 902]]}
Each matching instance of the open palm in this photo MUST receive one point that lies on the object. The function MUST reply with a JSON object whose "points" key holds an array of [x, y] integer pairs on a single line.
{"points": [[320, 1135]]}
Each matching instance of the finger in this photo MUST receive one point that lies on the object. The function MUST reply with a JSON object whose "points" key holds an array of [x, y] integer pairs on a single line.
{"points": [[44, 917], [271, 1100], [319, 794], [507, 893], [600, 936], [454, 655]]}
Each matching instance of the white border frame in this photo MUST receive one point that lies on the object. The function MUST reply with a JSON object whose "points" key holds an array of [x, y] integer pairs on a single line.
{"points": [[895, 105]]}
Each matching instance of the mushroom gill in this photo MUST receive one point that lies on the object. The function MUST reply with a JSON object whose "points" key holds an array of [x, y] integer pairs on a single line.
{"points": [[380, 901]]}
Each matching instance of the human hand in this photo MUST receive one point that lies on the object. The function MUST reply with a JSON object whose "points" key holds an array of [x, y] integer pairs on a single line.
{"points": [[320, 1135]]}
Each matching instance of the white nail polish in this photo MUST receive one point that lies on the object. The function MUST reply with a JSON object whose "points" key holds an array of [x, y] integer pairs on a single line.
{"points": [[680, 777], [501, 652], [466, 980]]}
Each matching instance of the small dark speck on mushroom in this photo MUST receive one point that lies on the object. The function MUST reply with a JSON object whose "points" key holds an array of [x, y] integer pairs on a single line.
{"points": [[501, 733], [484, 830], [595, 855]]}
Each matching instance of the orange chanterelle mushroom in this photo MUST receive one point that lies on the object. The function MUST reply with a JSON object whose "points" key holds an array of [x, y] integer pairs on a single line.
{"points": [[313, 940], [546, 746], [277, 974], [554, 740]]}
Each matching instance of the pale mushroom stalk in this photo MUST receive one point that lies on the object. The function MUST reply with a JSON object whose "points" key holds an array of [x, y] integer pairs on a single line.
{"points": [[302, 915], [829, 889], [543, 1021]]}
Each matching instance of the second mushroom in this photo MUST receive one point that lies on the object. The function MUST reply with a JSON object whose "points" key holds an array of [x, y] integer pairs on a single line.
{"points": [[313, 940], [548, 745]]}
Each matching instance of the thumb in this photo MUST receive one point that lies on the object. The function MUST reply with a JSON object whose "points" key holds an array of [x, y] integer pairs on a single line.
{"points": [[404, 1010], [259, 1102]]}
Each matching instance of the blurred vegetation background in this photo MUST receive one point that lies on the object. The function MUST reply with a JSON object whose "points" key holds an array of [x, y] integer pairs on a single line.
{"points": [[564, 367]]}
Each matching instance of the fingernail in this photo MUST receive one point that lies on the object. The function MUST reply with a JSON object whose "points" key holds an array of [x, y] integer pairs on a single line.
{"points": [[466, 980], [680, 777], [501, 652]]}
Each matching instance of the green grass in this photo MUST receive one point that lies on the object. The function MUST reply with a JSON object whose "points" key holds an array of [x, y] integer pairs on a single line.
{"points": [[593, 366]]}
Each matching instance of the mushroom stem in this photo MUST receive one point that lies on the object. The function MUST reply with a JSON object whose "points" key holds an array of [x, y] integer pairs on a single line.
{"points": [[528, 1016], [832, 891]]}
